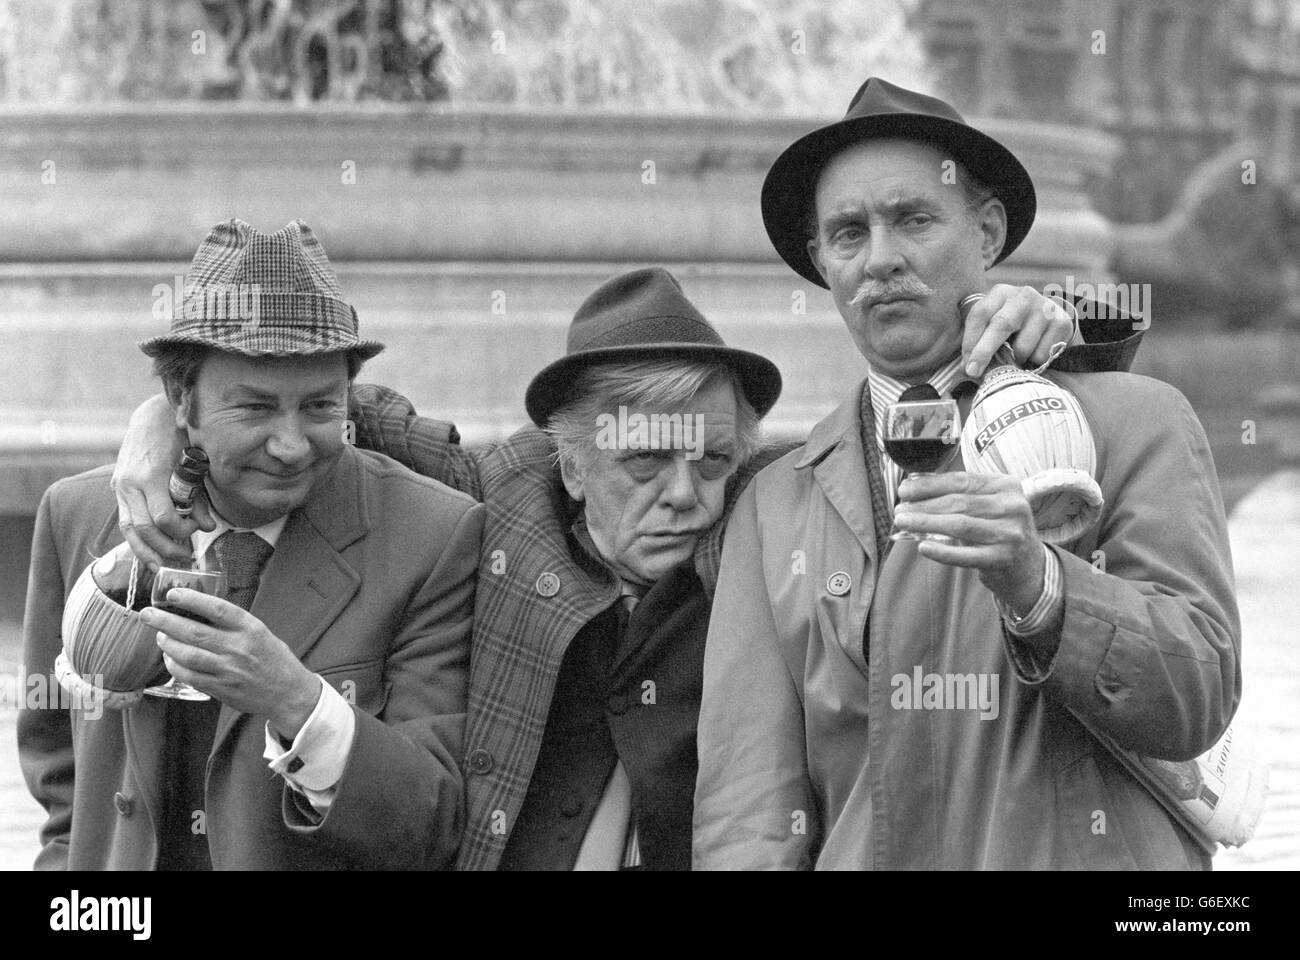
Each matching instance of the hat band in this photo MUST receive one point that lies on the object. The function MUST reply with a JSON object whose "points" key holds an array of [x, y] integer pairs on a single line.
{"points": [[248, 304], [677, 330]]}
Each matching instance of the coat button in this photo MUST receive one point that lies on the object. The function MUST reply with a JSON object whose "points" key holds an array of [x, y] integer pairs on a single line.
{"points": [[617, 704], [480, 761], [838, 583], [548, 584], [123, 804], [571, 807]]}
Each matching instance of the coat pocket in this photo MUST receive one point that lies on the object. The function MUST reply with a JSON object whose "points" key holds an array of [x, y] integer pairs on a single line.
{"points": [[1090, 820], [360, 684]]}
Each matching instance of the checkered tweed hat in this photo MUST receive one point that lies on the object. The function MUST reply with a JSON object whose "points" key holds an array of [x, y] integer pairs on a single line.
{"points": [[256, 294]]}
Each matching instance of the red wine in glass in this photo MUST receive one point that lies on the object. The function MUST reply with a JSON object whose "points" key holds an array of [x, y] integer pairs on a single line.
{"points": [[920, 436], [212, 583], [919, 454]]}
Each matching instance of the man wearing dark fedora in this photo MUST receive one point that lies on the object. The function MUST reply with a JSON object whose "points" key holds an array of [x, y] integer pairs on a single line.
{"points": [[335, 665], [809, 757], [600, 551]]}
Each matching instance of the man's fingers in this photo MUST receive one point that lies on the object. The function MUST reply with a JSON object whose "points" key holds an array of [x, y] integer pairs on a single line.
{"points": [[1032, 340], [153, 546], [954, 481], [162, 512], [177, 627], [1055, 327], [131, 510], [220, 613], [958, 555], [977, 321], [191, 658], [202, 682], [989, 506], [145, 553]]}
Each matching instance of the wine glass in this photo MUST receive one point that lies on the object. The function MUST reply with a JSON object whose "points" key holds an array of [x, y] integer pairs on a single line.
{"points": [[921, 436], [213, 584]]}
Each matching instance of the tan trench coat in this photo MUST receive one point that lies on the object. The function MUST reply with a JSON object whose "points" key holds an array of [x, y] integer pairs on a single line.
{"points": [[806, 759]]}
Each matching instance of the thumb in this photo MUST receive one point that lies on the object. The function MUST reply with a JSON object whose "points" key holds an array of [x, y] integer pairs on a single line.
{"points": [[202, 513], [975, 323]]}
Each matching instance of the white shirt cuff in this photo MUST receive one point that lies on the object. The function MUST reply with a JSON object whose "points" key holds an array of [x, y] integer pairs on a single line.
{"points": [[313, 764], [1049, 602]]}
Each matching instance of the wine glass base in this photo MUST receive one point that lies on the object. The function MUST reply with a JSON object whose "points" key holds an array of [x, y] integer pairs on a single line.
{"points": [[175, 690], [908, 535]]}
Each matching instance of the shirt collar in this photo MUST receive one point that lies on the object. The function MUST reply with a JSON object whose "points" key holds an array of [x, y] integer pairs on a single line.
{"points": [[202, 540], [843, 422], [886, 389]]}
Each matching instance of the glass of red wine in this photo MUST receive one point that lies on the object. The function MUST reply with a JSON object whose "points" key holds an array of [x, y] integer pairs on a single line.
{"points": [[212, 583], [921, 436]]}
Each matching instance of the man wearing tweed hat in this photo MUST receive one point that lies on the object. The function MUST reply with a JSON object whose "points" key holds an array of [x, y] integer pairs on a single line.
{"points": [[336, 664]]}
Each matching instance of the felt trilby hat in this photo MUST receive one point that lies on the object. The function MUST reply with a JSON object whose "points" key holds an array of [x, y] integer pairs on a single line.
{"points": [[878, 110], [644, 315], [260, 294]]}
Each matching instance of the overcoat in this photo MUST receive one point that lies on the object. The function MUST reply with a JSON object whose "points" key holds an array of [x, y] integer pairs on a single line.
{"points": [[538, 589], [813, 751]]}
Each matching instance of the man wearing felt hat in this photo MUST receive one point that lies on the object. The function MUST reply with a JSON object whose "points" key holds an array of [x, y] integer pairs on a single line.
{"points": [[839, 727], [336, 664]]}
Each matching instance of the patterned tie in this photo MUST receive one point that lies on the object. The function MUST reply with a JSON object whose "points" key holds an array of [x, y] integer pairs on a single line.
{"points": [[241, 554], [882, 517]]}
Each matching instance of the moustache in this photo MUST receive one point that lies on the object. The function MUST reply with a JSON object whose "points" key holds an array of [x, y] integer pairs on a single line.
{"points": [[878, 291]]}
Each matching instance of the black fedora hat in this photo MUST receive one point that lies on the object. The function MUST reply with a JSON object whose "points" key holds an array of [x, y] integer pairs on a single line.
{"points": [[643, 315], [881, 109]]}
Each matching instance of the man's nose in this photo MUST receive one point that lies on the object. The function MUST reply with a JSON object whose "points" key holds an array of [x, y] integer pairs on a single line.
{"points": [[883, 255], [287, 442], [679, 485]]}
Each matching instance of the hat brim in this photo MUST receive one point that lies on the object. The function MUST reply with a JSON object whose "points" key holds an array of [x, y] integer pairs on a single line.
{"points": [[256, 347], [790, 186], [553, 387]]}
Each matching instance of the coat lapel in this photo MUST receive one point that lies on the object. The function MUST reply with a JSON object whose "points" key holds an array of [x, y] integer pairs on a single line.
{"points": [[834, 452], [306, 583]]}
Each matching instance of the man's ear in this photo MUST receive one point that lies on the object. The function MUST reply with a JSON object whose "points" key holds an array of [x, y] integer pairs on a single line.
{"points": [[571, 474], [180, 400], [814, 254], [993, 230]]}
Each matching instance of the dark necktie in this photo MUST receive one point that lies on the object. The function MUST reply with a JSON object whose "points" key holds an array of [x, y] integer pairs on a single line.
{"points": [[191, 727], [241, 554]]}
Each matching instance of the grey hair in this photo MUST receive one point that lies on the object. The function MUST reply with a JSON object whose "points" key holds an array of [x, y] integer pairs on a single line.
{"points": [[603, 387]]}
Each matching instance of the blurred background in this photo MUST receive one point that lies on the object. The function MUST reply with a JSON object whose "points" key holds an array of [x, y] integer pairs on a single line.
{"points": [[475, 168]]}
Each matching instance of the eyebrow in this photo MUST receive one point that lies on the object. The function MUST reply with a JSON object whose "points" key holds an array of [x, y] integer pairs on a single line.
{"points": [[895, 207], [248, 390]]}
